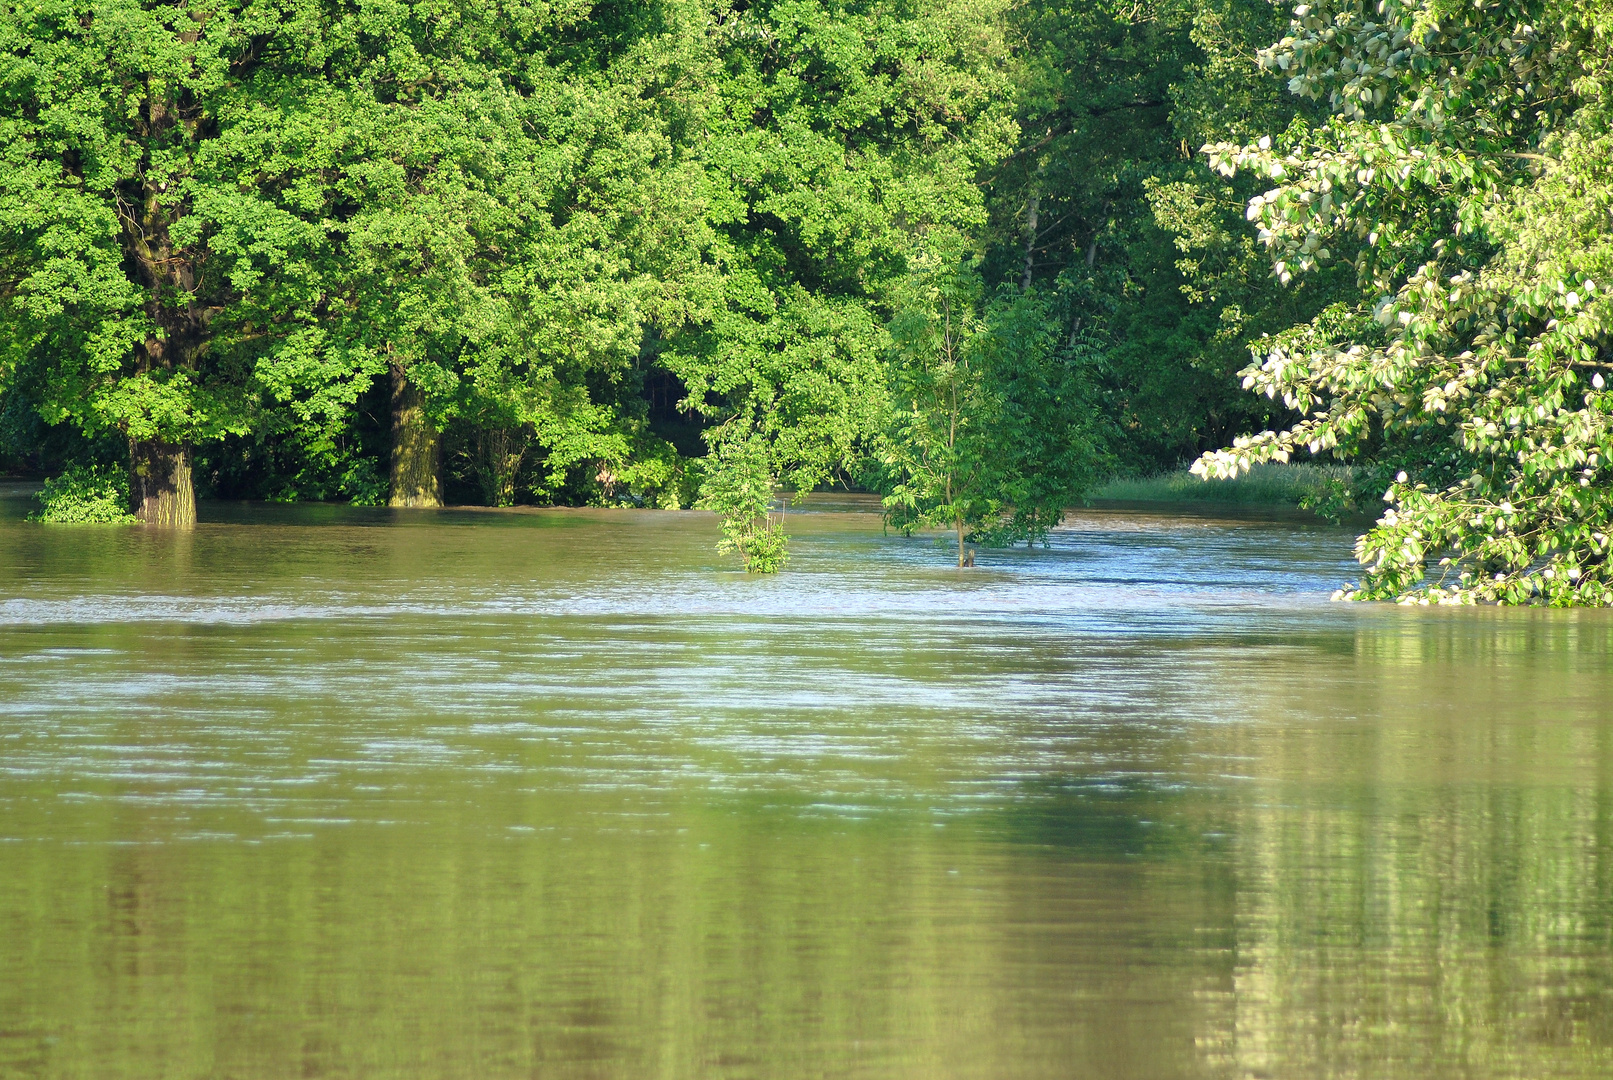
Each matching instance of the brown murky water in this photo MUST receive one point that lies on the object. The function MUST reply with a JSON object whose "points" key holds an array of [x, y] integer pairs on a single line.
{"points": [[340, 793]]}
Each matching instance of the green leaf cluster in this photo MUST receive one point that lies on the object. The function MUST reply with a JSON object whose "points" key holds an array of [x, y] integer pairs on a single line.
{"points": [[1141, 247], [739, 489], [85, 495], [993, 432], [1462, 171]]}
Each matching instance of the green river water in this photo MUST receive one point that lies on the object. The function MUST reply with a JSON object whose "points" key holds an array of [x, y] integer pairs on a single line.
{"points": [[318, 792]]}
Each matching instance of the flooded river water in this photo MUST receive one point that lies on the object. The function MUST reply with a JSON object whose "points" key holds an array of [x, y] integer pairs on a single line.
{"points": [[321, 792]]}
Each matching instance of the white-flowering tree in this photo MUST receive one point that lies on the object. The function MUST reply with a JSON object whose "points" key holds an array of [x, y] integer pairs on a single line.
{"points": [[1466, 169]]}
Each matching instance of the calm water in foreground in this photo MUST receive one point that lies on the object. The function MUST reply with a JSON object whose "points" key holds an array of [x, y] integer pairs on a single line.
{"points": [[339, 793]]}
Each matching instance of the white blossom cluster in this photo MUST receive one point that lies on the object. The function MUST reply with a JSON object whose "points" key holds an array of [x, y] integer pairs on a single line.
{"points": [[1466, 171]]}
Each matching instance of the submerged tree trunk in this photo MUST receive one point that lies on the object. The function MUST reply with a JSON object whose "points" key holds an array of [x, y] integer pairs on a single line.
{"points": [[499, 453], [160, 488], [160, 484], [416, 448]]}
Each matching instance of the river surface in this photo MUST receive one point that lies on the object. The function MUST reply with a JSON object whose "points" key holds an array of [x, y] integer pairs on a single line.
{"points": [[318, 792]]}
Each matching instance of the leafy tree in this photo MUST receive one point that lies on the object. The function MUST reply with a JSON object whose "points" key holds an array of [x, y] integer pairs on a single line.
{"points": [[1069, 211], [109, 303], [841, 130], [993, 430], [740, 491], [943, 409], [1463, 169]]}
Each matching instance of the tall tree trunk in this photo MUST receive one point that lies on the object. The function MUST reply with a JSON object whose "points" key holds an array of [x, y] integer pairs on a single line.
{"points": [[416, 448], [160, 487], [1032, 219], [160, 484]]}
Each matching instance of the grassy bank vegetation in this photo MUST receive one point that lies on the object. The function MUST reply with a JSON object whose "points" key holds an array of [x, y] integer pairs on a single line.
{"points": [[1274, 484]]}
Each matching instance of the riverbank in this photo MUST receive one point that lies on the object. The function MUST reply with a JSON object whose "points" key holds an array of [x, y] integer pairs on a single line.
{"points": [[1275, 485]]}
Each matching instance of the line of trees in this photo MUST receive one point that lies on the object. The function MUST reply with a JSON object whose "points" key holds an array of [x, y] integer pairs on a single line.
{"points": [[971, 254]]}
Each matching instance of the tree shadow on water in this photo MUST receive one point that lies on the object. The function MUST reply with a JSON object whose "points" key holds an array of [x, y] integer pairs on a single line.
{"points": [[1109, 817]]}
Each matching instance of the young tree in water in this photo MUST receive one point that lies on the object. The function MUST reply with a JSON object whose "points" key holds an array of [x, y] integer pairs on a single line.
{"points": [[942, 407], [1464, 170], [740, 491], [994, 427]]}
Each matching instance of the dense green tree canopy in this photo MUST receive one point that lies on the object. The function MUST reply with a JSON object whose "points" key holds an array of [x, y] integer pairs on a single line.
{"points": [[232, 219], [841, 136]]}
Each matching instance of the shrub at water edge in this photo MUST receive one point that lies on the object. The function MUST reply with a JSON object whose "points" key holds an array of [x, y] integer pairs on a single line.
{"points": [[86, 494]]}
